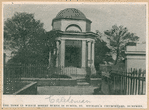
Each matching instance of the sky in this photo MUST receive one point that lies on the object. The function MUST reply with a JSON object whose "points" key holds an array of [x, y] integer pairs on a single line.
{"points": [[103, 16]]}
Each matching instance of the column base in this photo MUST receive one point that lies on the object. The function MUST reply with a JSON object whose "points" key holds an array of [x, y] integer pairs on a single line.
{"points": [[93, 70]]}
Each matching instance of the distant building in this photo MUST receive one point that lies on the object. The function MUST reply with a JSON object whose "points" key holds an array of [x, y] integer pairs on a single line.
{"points": [[136, 57]]}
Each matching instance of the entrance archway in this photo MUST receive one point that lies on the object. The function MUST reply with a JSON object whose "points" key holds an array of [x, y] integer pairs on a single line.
{"points": [[73, 54]]}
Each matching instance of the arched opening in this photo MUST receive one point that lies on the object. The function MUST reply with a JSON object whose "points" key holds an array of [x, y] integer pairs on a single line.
{"points": [[73, 28], [73, 53]]}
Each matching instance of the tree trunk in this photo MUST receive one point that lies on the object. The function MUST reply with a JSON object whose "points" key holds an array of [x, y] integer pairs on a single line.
{"points": [[49, 58], [117, 52], [117, 56], [116, 60]]}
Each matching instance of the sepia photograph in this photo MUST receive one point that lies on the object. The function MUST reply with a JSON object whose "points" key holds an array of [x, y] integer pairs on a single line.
{"points": [[74, 49]]}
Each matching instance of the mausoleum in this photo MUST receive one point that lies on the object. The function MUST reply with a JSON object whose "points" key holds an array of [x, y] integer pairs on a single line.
{"points": [[75, 45]]}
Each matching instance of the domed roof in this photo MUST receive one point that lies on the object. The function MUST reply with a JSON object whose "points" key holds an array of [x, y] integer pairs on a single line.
{"points": [[71, 13]]}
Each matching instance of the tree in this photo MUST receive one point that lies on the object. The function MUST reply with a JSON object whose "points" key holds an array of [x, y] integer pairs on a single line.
{"points": [[22, 34], [102, 52], [50, 38], [119, 38], [20, 29]]}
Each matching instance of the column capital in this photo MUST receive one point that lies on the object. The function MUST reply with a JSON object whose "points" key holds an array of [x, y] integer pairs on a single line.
{"points": [[91, 41], [63, 39], [57, 40]]}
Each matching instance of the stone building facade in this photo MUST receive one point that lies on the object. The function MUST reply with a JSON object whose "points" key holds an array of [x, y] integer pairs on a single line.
{"points": [[75, 45], [136, 57]]}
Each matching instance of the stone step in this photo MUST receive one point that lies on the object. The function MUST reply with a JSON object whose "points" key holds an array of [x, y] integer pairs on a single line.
{"points": [[82, 84], [74, 72], [81, 80]]}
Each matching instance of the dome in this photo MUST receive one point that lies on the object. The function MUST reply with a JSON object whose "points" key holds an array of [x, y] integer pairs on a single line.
{"points": [[71, 13]]}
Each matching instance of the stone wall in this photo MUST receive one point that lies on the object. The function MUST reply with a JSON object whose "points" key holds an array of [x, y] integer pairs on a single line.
{"points": [[53, 81], [30, 89]]}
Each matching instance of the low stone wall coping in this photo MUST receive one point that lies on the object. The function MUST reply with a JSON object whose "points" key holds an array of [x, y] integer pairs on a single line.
{"points": [[95, 78], [34, 79], [30, 79], [27, 86]]}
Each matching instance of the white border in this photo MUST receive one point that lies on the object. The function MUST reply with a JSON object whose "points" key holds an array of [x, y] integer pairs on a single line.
{"points": [[95, 3], [96, 99]]}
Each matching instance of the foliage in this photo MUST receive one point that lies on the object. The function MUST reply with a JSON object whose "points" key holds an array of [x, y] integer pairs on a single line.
{"points": [[102, 53], [22, 30], [26, 38], [119, 37], [51, 45]]}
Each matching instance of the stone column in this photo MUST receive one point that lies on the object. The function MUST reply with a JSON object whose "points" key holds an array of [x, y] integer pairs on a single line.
{"points": [[93, 52], [83, 53], [89, 53], [57, 57], [93, 70], [62, 53]]}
